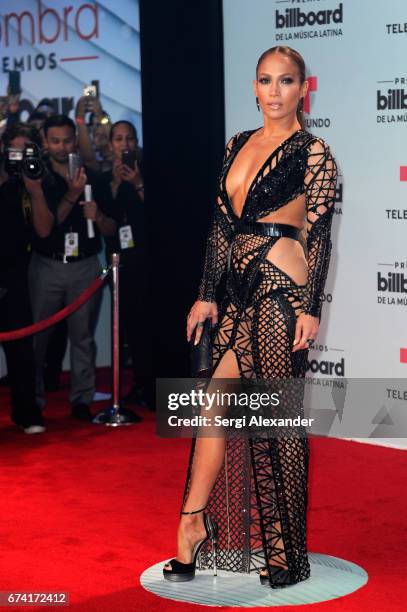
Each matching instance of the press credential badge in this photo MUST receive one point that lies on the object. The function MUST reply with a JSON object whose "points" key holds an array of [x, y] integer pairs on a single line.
{"points": [[126, 237], [72, 244]]}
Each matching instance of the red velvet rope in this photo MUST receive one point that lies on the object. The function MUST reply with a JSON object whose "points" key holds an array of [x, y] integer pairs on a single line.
{"points": [[58, 316]]}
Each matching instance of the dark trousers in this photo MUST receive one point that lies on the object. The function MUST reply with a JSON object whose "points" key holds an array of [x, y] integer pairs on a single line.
{"points": [[15, 312], [53, 285], [56, 349], [135, 313]]}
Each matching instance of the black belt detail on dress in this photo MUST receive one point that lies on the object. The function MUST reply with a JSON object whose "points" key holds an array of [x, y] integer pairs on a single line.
{"points": [[269, 229]]}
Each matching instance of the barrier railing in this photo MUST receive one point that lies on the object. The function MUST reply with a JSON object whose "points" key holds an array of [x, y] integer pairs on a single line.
{"points": [[114, 415], [58, 316]]}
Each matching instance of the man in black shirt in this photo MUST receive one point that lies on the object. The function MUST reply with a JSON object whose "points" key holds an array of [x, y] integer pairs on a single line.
{"points": [[65, 263], [23, 211]]}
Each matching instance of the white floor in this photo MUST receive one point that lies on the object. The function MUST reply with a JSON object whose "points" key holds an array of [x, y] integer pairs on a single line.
{"points": [[331, 577]]}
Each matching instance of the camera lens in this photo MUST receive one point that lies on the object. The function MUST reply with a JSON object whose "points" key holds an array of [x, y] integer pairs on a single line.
{"points": [[32, 168]]}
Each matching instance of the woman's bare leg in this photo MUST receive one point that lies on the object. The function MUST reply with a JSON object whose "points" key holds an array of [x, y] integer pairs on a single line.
{"points": [[208, 459]]}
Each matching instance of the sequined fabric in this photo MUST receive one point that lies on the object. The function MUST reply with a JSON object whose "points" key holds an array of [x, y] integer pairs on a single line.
{"points": [[260, 496]]}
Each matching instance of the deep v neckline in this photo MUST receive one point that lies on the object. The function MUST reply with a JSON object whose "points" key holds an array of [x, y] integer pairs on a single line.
{"points": [[257, 174]]}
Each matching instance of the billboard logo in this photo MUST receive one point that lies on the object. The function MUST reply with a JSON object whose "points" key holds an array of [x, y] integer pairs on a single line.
{"points": [[329, 368], [392, 282], [392, 103], [395, 99], [296, 18], [395, 282]]}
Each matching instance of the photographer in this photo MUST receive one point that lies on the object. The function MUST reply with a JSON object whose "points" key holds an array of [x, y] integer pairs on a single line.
{"points": [[23, 213], [9, 116], [65, 263], [125, 182]]}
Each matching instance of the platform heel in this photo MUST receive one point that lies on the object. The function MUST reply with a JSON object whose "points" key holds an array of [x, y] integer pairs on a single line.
{"points": [[183, 572], [215, 557], [212, 529]]}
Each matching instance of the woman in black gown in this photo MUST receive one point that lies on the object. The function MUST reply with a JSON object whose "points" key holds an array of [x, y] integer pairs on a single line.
{"points": [[276, 185]]}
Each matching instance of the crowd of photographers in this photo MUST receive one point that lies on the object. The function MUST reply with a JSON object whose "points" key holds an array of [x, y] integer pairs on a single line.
{"points": [[68, 190]]}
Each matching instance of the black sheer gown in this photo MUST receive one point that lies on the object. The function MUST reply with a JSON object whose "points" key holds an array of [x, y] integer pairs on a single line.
{"points": [[260, 496]]}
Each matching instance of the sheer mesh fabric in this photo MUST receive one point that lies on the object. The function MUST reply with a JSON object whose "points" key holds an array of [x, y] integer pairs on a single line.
{"points": [[260, 496]]}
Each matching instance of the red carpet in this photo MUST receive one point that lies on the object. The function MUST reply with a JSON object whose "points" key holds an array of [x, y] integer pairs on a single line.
{"points": [[86, 509]]}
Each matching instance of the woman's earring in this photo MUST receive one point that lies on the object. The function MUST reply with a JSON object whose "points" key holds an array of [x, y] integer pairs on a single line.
{"points": [[301, 105], [257, 103]]}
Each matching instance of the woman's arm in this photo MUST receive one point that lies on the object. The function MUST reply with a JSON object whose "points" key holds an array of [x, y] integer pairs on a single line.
{"points": [[217, 250], [320, 181], [84, 141]]}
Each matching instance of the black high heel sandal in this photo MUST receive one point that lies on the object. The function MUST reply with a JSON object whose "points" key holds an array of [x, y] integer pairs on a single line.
{"points": [[281, 576], [182, 572]]}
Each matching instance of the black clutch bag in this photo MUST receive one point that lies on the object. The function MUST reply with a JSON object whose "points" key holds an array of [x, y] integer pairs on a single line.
{"points": [[201, 353]]}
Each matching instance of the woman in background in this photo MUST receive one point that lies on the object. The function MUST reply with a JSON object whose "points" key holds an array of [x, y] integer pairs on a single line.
{"points": [[127, 187]]}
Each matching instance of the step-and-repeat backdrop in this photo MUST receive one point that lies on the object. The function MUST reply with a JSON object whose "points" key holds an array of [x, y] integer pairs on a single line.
{"points": [[59, 48], [355, 55]]}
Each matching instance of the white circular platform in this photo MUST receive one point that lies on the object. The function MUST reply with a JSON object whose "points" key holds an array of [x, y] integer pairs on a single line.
{"points": [[330, 578]]}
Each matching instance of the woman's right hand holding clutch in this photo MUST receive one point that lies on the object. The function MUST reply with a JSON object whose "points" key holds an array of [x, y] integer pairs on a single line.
{"points": [[198, 314]]}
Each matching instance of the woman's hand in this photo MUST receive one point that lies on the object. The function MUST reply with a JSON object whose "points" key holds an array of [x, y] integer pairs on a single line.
{"points": [[306, 329], [199, 312], [132, 175], [88, 104]]}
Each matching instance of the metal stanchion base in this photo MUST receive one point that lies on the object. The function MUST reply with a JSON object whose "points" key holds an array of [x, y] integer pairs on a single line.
{"points": [[114, 417]]}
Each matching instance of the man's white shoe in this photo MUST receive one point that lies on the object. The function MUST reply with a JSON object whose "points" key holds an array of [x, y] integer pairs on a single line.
{"points": [[34, 429]]}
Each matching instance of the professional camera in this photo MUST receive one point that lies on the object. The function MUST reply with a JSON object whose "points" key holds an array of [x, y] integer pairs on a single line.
{"points": [[27, 161]]}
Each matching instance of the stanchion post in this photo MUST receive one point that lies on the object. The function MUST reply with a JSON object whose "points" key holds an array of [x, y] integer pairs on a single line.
{"points": [[115, 415], [116, 332]]}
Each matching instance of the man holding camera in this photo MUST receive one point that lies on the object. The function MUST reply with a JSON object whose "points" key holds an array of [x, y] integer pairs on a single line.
{"points": [[65, 263], [23, 212]]}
